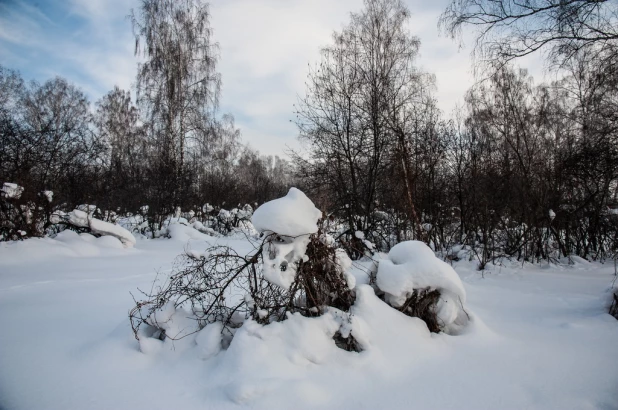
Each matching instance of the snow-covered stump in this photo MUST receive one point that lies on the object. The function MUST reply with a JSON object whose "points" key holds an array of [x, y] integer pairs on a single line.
{"points": [[287, 224], [416, 282], [297, 257]]}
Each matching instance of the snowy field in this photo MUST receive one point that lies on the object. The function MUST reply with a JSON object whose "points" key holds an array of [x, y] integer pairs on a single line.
{"points": [[540, 339]]}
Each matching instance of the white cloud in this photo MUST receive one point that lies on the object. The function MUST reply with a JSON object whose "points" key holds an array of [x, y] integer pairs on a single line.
{"points": [[266, 46]]}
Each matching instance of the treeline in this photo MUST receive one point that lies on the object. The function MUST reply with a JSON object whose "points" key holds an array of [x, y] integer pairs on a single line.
{"points": [[170, 148], [521, 170], [53, 139]]}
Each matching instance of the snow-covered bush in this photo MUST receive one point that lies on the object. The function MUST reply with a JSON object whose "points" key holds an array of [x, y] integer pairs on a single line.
{"points": [[10, 190], [83, 219], [287, 222], [23, 214], [294, 271], [416, 282], [207, 220], [291, 271], [227, 222]]}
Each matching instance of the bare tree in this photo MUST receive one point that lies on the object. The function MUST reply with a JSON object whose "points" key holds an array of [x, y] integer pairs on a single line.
{"points": [[178, 85], [47, 144], [61, 144], [508, 29], [126, 151], [363, 103]]}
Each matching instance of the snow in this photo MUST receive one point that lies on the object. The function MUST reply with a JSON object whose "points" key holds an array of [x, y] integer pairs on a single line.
{"points": [[179, 326], [345, 263], [292, 215], [209, 340], [198, 226], [182, 233], [83, 218], [11, 190], [289, 221], [88, 209], [412, 265], [225, 214], [280, 255], [49, 195], [539, 339]]}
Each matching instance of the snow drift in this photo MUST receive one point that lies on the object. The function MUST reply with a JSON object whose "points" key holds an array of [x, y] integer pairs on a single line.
{"points": [[83, 219]]}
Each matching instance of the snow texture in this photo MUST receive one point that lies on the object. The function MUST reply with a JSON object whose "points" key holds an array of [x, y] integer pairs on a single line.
{"points": [[289, 221], [545, 341], [183, 233], [209, 340], [280, 255], [179, 326], [345, 264]]}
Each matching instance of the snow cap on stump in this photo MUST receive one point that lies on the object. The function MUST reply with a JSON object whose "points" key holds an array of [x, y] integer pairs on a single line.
{"points": [[292, 215]]}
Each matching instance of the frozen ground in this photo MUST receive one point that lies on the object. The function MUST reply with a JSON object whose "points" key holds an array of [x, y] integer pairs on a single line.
{"points": [[540, 340]]}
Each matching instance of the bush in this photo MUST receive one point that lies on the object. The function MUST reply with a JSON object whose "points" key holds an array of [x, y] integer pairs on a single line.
{"points": [[220, 286]]}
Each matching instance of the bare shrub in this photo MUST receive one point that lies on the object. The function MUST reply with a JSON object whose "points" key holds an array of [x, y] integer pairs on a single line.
{"points": [[422, 304], [222, 286]]}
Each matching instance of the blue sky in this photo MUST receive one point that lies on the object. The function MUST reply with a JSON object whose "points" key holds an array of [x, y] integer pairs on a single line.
{"points": [[265, 48]]}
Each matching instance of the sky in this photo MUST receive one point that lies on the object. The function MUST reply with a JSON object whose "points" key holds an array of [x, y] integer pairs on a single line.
{"points": [[266, 47]]}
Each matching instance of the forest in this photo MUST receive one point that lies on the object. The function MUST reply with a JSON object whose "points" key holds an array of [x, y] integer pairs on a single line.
{"points": [[521, 169], [399, 256]]}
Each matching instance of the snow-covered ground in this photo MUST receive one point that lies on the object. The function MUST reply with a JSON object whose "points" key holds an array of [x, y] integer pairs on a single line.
{"points": [[540, 339]]}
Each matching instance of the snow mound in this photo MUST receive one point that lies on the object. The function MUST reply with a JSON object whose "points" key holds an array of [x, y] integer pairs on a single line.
{"points": [[551, 344], [49, 195], [412, 265], [197, 225], [263, 361], [209, 340], [83, 244], [292, 215], [83, 220], [376, 326], [109, 242], [182, 232]]}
